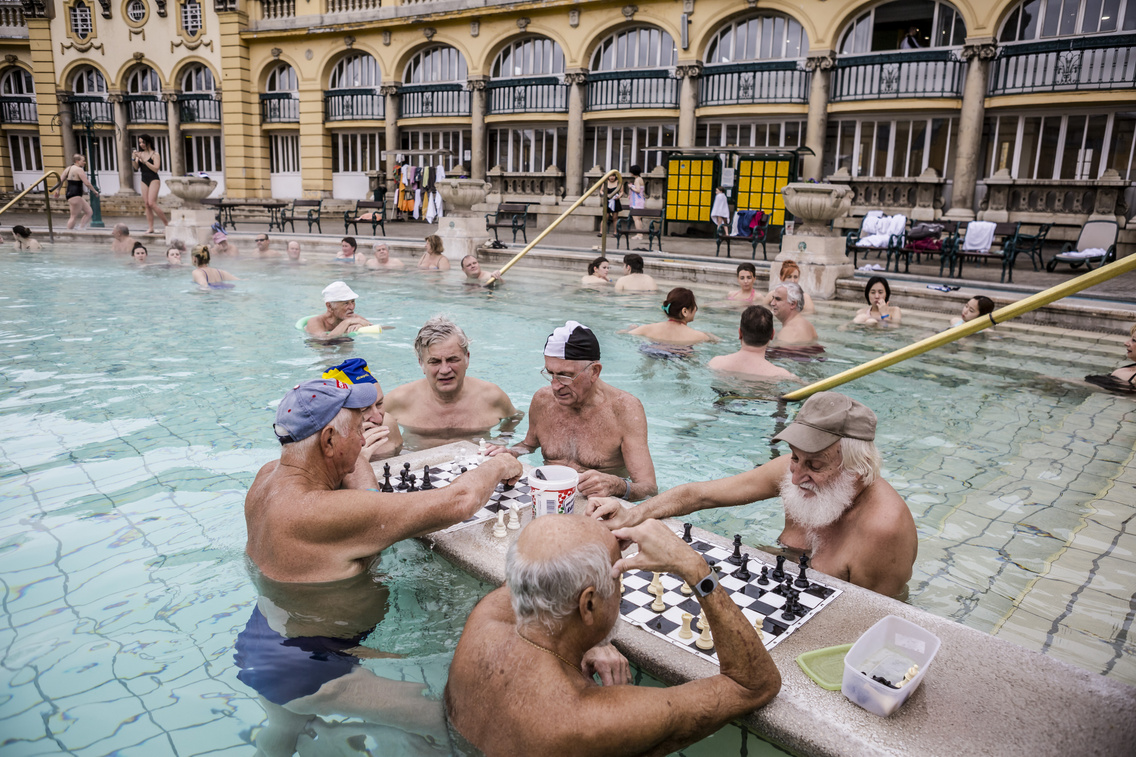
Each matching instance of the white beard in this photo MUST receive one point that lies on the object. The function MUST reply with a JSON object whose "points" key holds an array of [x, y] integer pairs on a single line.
{"points": [[823, 507]]}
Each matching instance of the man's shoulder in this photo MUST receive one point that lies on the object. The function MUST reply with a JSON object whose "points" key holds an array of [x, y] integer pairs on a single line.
{"points": [[621, 399], [886, 511], [483, 389], [404, 392]]}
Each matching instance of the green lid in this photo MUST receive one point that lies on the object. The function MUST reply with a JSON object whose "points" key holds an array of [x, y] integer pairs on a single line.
{"points": [[825, 666]]}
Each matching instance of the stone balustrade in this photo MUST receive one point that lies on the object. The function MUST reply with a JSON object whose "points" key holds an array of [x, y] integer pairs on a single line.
{"points": [[920, 198], [546, 187], [272, 9], [352, 6], [1057, 201]]}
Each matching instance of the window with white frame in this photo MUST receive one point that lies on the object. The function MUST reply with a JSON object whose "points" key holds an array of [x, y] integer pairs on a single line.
{"points": [[1037, 19], [893, 147], [436, 65], [624, 146], [354, 152], [528, 150], [284, 153], [25, 153], [136, 10], [457, 142], [1073, 147], [758, 37], [101, 153], [89, 81], [198, 78], [17, 81], [750, 134], [639, 47], [203, 153], [143, 80], [282, 78], [904, 25], [534, 56], [191, 20], [82, 26], [357, 71]]}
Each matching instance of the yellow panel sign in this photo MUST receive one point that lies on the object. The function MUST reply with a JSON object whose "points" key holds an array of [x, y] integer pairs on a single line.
{"points": [[690, 184], [763, 190]]}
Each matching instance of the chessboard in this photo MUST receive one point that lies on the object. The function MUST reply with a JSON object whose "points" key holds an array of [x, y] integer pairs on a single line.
{"points": [[442, 474], [785, 597]]}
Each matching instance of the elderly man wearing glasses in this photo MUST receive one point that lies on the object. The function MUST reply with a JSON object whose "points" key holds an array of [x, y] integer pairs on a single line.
{"points": [[587, 424], [262, 248]]}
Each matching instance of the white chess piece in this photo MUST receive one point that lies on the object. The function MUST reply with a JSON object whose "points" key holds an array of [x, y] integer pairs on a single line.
{"points": [[514, 517], [659, 605], [685, 632], [481, 451], [499, 529], [704, 641], [758, 622]]}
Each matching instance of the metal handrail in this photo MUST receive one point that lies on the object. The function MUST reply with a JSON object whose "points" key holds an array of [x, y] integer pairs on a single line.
{"points": [[46, 199], [580, 201]]}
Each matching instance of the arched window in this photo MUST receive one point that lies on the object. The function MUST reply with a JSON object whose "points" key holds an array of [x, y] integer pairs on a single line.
{"points": [[282, 79], [436, 65], [904, 25], [642, 47], [1034, 19], [758, 38], [82, 25], [143, 80], [535, 56], [17, 81], [356, 71], [89, 81], [198, 78]]}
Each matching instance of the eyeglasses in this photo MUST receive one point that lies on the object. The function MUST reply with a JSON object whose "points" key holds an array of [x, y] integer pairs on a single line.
{"points": [[262, 240], [563, 378]]}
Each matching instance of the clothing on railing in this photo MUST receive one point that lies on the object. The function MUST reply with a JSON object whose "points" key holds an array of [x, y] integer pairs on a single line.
{"points": [[434, 198], [979, 236]]}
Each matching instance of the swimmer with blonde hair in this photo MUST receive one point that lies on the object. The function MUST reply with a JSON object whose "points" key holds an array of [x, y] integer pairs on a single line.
{"points": [[207, 277]]}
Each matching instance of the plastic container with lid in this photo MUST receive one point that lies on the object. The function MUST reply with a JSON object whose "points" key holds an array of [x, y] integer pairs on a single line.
{"points": [[887, 650]]}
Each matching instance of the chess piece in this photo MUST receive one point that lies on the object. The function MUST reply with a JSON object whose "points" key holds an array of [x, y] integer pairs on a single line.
{"points": [[704, 642], [743, 574], [413, 483], [802, 575], [685, 632], [686, 537], [656, 586], [911, 673], [426, 485], [763, 579], [514, 517], [386, 485], [702, 624], [779, 571], [659, 605], [758, 624], [482, 451], [787, 610], [736, 557], [499, 529], [685, 589]]}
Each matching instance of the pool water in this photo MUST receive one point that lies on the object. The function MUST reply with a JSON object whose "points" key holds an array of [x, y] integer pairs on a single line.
{"points": [[137, 410]]}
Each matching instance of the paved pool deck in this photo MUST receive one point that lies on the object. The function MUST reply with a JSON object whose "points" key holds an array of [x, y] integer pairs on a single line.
{"points": [[981, 695]]}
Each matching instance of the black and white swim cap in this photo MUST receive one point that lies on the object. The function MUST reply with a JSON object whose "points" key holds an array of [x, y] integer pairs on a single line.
{"points": [[573, 341]]}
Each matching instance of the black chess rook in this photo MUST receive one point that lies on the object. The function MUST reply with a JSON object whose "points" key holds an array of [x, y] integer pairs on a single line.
{"points": [[779, 571]]}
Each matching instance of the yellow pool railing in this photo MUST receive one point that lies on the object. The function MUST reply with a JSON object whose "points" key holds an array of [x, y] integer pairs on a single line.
{"points": [[46, 199], [1033, 302]]}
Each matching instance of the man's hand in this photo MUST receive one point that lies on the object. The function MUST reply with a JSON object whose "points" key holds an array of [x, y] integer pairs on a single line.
{"points": [[510, 469], [492, 450], [660, 550], [374, 436], [606, 660], [611, 511], [596, 484]]}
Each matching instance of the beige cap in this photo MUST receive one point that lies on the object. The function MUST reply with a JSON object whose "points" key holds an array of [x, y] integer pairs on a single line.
{"points": [[826, 418]]}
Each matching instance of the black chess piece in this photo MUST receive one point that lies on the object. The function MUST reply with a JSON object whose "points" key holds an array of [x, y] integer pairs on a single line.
{"points": [[686, 537], [413, 483], [736, 557], [463, 469], [779, 571], [426, 485], [743, 573], [802, 575], [763, 579], [406, 470], [787, 611]]}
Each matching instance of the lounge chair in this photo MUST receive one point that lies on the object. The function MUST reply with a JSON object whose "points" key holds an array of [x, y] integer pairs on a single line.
{"points": [[1095, 244]]}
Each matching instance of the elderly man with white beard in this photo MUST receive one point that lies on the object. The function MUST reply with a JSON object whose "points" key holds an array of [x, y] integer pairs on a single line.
{"points": [[853, 523]]}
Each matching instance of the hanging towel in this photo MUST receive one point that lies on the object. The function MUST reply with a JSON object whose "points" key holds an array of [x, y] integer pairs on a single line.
{"points": [[979, 236]]}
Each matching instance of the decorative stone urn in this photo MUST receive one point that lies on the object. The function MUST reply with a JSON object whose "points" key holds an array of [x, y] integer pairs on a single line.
{"points": [[462, 231], [817, 249], [190, 224]]}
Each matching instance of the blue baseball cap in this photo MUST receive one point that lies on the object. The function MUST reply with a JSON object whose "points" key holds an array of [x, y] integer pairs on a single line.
{"points": [[311, 405]]}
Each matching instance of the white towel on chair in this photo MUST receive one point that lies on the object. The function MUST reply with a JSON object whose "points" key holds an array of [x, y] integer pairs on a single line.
{"points": [[882, 228], [871, 223], [1092, 252], [979, 236]]}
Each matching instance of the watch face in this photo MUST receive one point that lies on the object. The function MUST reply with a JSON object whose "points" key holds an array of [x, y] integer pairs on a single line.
{"points": [[706, 586]]}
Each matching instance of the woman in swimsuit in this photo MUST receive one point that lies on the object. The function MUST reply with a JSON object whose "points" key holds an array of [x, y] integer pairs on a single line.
{"points": [[879, 312], [680, 307], [791, 273], [597, 272], [147, 161], [433, 259], [974, 307], [76, 178], [1123, 379], [747, 274], [206, 277]]}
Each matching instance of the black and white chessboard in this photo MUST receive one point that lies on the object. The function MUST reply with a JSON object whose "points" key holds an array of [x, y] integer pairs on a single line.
{"points": [[751, 596], [444, 473]]}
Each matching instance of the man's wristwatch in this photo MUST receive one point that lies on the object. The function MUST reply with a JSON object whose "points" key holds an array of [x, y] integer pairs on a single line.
{"points": [[707, 585]]}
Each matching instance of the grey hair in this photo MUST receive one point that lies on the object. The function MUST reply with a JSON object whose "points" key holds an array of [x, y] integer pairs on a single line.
{"points": [[547, 591], [121, 228], [438, 329], [795, 295], [862, 458], [339, 423]]}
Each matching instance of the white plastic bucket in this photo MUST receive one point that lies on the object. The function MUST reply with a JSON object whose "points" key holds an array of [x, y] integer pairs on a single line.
{"points": [[556, 493], [889, 648]]}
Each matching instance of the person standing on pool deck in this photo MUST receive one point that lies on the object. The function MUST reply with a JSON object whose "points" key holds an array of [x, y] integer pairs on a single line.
{"points": [[316, 515], [853, 523], [340, 317], [447, 404], [147, 162], [587, 424], [528, 651], [75, 175]]}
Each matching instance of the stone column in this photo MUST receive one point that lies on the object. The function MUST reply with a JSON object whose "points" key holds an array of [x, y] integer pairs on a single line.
{"points": [[177, 146], [122, 144], [478, 132], [688, 73], [66, 127], [391, 109], [820, 62], [574, 156], [978, 52]]}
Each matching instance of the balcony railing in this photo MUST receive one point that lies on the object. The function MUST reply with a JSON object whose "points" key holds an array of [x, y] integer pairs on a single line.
{"points": [[543, 94], [18, 110], [199, 108], [887, 76], [757, 82], [425, 100], [279, 108], [616, 90], [95, 109], [352, 105], [522, 185], [352, 6], [918, 197], [145, 109], [1107, 62]]}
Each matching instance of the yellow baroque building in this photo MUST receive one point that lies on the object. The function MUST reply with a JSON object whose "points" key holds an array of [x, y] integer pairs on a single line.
{"points": [[1021, 110]]}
